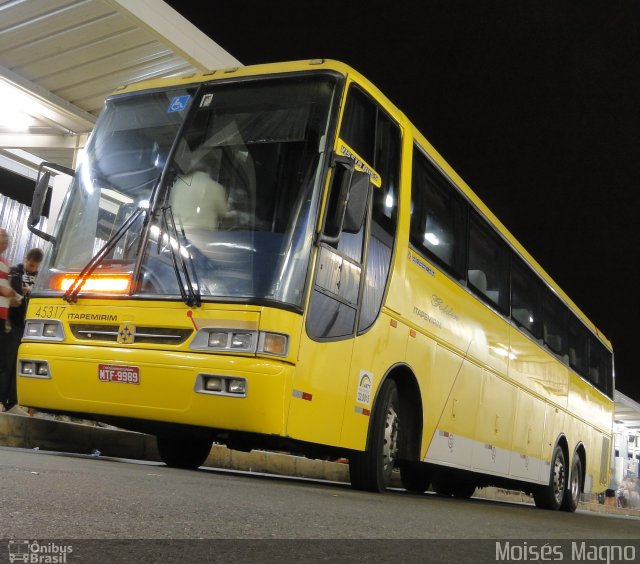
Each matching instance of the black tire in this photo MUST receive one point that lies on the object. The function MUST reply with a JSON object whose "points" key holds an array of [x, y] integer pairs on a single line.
{"points": [[459, 487], [574, 487], [552, 495], [371, 470], [180, 452], [415, 477]]}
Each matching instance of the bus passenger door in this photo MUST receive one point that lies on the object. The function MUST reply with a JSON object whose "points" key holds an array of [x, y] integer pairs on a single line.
{"points": [[321, 376], [322, 373]]}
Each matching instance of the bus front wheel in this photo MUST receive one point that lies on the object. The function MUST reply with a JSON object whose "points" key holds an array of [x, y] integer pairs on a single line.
{"points": [[181, 452], [371, 470]]}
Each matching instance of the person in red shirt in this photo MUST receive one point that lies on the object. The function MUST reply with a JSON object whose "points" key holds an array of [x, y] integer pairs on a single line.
{"points": [[8, 298]]}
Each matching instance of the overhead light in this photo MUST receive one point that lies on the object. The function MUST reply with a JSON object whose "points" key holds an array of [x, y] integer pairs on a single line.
{"points": [[14, 120], [432, 238], [15, 108]]}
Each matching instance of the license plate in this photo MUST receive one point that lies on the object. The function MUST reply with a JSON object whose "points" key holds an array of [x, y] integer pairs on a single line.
{"points": [[118, 373]]}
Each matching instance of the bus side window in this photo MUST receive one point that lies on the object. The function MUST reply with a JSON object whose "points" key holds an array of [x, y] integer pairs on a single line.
{"points": [[526, 309], [371, 133], [384, 214], [488, 269], [578, 346], [438, 217], [600, 366], [554, 319]]}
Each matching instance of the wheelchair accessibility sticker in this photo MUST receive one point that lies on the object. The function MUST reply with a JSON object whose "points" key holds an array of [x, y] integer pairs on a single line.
{"points": [[179, 103]]}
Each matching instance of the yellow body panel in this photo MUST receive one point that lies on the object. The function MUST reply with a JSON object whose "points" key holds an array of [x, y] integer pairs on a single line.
{"points": [[483, 383]]}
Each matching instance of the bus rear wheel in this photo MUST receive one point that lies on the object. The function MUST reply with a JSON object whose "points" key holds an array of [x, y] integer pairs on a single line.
{"points": [[572, 494], [181, 452], [552, 495], [371, 470]]}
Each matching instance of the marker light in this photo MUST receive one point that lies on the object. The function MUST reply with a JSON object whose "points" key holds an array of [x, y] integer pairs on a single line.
{"points": [[99, 283], [274, 343]]}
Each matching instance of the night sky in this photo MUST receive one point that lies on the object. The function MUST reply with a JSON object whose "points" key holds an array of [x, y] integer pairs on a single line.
{"points": [[535, 104]]}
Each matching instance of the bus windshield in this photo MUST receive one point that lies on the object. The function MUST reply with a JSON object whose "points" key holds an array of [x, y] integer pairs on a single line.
{"points": [[234, 217]]}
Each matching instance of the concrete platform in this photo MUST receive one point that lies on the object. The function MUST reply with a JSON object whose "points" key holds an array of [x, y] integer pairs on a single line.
{"points": [[87, 437]]}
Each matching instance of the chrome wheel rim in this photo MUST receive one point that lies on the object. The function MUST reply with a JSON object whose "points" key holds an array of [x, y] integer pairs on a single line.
{"points": [[559, 479], [390, 444], [575, 483]]}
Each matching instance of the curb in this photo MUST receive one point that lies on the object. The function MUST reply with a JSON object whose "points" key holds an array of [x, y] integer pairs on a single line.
{"points": [[34, 432]]}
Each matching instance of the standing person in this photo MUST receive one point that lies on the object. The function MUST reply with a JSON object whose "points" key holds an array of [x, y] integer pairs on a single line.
{"points": [[8, 298], [22, 277]]}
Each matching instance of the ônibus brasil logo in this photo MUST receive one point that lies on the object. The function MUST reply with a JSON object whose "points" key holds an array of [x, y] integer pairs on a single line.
{"points": [[34, 552]]}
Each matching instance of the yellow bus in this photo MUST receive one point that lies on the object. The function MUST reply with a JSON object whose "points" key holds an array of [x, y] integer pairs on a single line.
{"points": [[274, 257]]}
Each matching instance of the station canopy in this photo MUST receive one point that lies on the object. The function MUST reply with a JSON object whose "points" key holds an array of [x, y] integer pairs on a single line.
{"points": [[59, 60]]}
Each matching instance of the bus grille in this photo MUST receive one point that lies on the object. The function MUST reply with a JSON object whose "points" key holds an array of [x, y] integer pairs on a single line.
{"points": [[109, 334]]}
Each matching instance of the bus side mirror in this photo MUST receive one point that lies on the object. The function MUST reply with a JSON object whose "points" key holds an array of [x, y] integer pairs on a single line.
{"points": [[39, 196], [357, 202], [347, 205]]}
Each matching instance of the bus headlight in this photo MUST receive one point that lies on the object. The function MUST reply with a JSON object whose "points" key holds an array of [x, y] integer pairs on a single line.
{"points": [[218, 340], [34, 369], [246, 341], [241, 341], [37, 330], [215, 385], [238, 386]]}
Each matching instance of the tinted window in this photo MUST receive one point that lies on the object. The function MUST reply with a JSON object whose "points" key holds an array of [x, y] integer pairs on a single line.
{"points": [[376, 139], [488, 272], [438, 217], [526, 308], [578, 346], [600, 366], [554, 318], [384, 218], [359, 123]]}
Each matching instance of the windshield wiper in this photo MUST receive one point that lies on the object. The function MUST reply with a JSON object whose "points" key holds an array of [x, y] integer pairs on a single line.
{"points": [[192, 295], [71, 295]]}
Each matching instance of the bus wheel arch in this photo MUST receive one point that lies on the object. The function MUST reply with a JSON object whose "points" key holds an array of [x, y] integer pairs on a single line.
{"points": [[393, 437], [551, 496]]}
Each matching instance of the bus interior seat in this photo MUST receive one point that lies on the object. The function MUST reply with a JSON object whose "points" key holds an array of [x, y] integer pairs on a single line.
{"points": [[198, 201], [478, 279], [554, 342]]}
